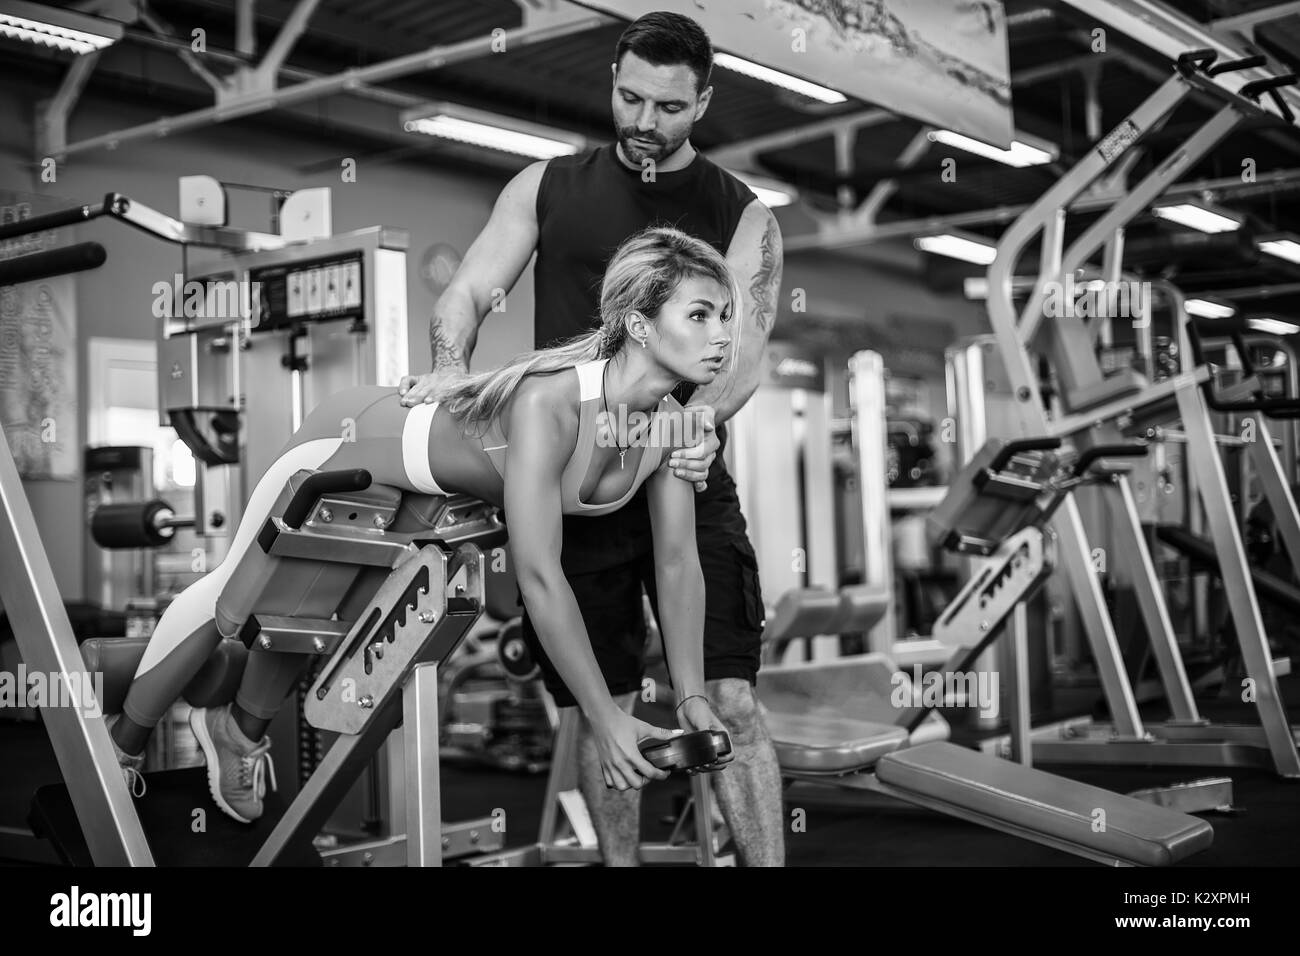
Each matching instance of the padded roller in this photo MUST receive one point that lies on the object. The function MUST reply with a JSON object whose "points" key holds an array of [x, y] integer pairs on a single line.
{"points": [[55, 262], [116, 659], [132, 525]]}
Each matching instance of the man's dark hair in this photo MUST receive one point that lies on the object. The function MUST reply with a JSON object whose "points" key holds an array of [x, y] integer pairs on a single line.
{"points": [[666, 39]]}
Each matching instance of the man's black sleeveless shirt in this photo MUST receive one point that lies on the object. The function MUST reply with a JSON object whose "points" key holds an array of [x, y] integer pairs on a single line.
{"points": [[586, 206]]}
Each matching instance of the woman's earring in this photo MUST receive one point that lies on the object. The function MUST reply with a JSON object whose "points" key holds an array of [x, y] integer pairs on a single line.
{"points": [[643, 343]]}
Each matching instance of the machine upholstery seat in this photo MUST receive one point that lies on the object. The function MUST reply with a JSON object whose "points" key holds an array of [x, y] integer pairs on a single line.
{"points": [[1135, 831], [860, 689], [807, 743]]}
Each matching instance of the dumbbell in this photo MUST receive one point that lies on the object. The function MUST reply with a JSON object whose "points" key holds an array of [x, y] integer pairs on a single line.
{"points": [[691, 751]]}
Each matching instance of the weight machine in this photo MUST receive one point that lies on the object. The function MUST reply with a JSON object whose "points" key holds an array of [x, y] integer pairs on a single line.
{"points": [[381, 596], [1095, 409]]}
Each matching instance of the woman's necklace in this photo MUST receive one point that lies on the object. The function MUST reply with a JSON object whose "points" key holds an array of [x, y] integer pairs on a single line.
{"points": [[604, 395]]}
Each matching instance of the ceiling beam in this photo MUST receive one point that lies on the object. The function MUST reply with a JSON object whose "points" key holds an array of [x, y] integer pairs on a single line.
{"points": [[341, 29], [538, 28], [742, 153], [1172, 34], [839, 237], [1245, 22]]}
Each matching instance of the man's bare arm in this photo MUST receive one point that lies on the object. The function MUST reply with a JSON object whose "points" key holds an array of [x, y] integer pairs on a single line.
{"points": [[489, 270], [756, 257]]}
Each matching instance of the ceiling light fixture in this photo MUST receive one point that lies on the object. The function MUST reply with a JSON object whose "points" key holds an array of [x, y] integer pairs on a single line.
{"points": [[58, 29], [490, 130], [958, 247], [757, 71], [1019, 155], [1197, 216]]}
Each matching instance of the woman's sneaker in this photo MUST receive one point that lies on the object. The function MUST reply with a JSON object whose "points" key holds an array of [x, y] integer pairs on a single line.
{"points": [[132, 764], [238, 768]]}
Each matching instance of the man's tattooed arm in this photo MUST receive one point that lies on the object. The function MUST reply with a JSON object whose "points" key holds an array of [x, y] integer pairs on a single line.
{"points": [[756, 257], [447, 352], [766, 282]]}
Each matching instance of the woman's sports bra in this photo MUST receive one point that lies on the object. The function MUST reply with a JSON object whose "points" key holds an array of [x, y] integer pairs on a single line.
{"points": [[591, 378]]}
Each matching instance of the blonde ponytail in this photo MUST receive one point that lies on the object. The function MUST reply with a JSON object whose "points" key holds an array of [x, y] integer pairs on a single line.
{"points": [[642, 275]]}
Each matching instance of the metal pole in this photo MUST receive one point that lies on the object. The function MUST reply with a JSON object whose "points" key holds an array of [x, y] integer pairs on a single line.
{"points": [[1131, 544], [423, 798], [46, 644], [869, 440], [1018, 673]]}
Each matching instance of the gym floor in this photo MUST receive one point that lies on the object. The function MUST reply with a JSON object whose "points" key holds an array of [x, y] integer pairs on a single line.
{"points": [[856, 828], [843, 828]]}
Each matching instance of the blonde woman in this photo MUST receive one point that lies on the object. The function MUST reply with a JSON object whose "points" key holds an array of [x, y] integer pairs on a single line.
{"points": [[541, 437]]}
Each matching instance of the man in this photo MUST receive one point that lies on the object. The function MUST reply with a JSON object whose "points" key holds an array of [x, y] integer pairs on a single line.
{"points": [[573, 212]]}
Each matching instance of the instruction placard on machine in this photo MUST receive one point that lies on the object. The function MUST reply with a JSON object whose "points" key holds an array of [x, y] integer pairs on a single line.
{"points": [[300, 292]]}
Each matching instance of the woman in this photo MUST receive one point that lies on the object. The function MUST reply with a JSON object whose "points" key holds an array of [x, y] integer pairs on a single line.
{"points": [[540, 437]]}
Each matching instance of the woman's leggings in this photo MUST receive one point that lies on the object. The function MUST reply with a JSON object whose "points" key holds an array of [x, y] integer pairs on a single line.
{"points": [[365, 427]]}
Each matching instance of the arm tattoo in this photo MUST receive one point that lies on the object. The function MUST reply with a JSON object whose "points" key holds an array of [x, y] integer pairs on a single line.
{"points": [[767, 280], [446, 353]]}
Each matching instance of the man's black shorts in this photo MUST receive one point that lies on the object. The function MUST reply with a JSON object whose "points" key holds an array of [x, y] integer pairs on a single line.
{"points": [[608, 561]]}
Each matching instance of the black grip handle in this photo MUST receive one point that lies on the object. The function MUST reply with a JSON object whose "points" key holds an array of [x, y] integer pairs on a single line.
{"points": [[1243, 353], [1282, 106], [1234, 335], [1134, 449], [1015, 447], [54, 262], [1232, 66], [322, 483], [1278, 407], [1254, 88], [52, 220], [1197, 58], [1273, 407]]}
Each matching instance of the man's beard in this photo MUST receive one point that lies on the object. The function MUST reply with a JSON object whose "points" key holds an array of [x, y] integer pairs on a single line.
{"points": [[660, 150]]}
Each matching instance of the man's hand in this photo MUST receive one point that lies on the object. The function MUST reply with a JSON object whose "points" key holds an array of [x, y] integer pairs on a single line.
{"points": [[695, 713], [692, 464], [419, 389]]}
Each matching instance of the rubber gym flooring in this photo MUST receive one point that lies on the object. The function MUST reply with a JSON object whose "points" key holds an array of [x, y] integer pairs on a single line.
{"points": [[843, 828]]}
